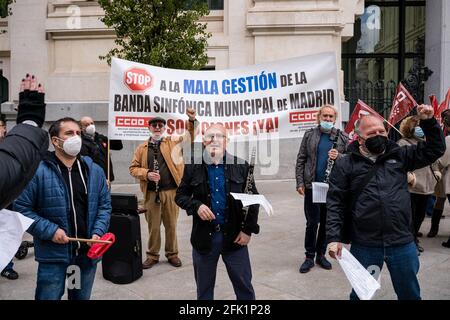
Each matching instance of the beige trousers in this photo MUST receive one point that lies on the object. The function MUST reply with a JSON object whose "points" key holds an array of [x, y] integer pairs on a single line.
{"points": [[167, 213]]}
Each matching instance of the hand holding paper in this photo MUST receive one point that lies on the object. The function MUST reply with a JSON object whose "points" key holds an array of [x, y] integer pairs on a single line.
{"points": [[249, 199], [360, 279], [12, 227]]}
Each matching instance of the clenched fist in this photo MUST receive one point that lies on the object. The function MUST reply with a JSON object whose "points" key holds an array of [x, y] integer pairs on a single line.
{"points": [[191, 113], [425, 112]]}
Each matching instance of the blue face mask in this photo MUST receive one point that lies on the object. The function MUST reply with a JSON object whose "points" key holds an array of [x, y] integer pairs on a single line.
{"points": [[326, 125], [418, 132]]}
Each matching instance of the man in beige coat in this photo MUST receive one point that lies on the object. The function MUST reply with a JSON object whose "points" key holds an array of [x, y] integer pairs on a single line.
{"points": [[158, 164]]}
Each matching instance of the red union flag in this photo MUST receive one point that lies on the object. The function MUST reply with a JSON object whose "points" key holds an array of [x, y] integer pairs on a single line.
{"points": [[361, 109], [438, 109], [138, 79], [435, 105], [402, 105]]}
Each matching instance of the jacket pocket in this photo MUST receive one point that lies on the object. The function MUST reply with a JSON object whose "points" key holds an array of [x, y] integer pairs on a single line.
{"points": [[236, 184]]}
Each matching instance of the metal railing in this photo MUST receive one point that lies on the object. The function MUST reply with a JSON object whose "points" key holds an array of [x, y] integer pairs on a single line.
{"points": [[378, 95]]}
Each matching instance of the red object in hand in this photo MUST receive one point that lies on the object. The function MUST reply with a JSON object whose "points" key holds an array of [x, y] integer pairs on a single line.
{"points": [[98, 249]]}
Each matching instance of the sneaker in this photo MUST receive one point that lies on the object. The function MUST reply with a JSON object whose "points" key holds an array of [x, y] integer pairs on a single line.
{"points": [[323, 262], [10, 274], [306, 265], [419, 248]]}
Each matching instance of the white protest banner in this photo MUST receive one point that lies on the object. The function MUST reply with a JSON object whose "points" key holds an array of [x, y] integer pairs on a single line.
{"points": [[280, 98]]}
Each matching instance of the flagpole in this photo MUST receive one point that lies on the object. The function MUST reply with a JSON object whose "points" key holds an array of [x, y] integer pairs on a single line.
{"points": [[108, 165], [393, 127]]}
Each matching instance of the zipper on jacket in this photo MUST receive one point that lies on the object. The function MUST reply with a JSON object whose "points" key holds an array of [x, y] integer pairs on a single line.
{"points": [[74, 210]]}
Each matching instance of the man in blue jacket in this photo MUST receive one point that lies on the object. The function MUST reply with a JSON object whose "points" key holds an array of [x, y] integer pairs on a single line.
{"points": [[68, 197]]}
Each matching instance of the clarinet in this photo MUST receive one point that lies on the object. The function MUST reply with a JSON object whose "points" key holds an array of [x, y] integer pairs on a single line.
{"points": [[156, 168], [330, 162], [249, 182]]}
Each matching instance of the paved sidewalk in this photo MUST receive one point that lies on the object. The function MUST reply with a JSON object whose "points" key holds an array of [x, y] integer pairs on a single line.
{"points": [[275, 255]]}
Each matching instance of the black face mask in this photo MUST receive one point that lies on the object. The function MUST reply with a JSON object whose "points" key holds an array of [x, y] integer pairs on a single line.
{"points": [[376, 144]]}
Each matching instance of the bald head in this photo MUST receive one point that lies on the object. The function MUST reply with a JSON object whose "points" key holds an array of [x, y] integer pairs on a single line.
{"points": [[217, 127], [87, 125], [370, 126], [215, 141], [85, 121]]}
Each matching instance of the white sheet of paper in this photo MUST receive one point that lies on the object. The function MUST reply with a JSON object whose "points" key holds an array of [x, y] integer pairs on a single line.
{"points": [[364, 284], [12, 227], [249, 199], [319, 192]]}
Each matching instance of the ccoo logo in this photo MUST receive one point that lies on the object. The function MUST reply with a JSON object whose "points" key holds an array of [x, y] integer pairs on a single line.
{"points": [[137, 79]]}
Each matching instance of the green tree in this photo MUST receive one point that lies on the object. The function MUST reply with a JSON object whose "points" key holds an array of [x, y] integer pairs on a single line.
{"points": [[5, 10], [163, 33]]}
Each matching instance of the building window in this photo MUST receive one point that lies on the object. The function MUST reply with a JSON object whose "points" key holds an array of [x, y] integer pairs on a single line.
{"points": [[388, 42], [212, 4], [215, 4]]}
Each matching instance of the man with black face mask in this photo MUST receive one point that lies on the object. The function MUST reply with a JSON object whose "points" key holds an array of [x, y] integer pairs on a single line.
{"points": [[369, 204]]}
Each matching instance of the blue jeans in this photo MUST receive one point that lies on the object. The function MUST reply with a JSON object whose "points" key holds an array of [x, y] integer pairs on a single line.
{"points": [[9, 266], [51, 279], [402, 262], [238, 267]]}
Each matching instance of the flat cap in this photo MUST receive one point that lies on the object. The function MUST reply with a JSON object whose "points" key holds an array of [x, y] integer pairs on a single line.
{"points": [[156, 119]]}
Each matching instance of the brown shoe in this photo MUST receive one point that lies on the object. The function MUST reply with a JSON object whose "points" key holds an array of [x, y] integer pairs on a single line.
{"points": [[175, 261], [149, 263]]}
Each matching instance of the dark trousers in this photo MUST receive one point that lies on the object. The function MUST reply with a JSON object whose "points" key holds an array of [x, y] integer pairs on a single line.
{"points": [[316, 215], [238, 268], [419, 208], [438, 210], [402, 262], [9, 266]]}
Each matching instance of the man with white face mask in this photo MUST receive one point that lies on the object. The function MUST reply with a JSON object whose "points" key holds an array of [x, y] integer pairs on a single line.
{"points": [[68, 197], [316, 150], [95, 145]]}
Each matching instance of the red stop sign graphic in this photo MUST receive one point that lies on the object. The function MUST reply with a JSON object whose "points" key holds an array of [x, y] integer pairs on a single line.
{"points": [[138, 79]]}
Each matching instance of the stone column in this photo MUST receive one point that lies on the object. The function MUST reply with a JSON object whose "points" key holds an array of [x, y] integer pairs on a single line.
{"points": [[437, 48]]}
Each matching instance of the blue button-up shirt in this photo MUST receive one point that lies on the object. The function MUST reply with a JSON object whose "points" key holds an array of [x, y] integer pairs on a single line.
{"points": [[216, 176]]}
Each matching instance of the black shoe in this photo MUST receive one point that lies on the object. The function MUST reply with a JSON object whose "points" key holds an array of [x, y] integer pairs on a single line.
{"points": [[10, 274], [306, 265], [446, 244], [419, 234], [419, 248], [323, 262], [433, 232]]}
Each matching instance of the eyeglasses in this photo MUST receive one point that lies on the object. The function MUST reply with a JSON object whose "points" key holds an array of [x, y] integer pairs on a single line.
{"points": [[157, 125], [216, 136]]}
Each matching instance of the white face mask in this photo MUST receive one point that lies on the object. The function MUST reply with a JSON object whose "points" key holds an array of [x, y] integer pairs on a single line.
{"points": [[90, 129], [72, 145]]}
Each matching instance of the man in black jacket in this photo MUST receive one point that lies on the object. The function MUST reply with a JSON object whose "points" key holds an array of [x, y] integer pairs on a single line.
{"points": [[219, 226], [369, 196], [23, 147], [95, 145]]}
